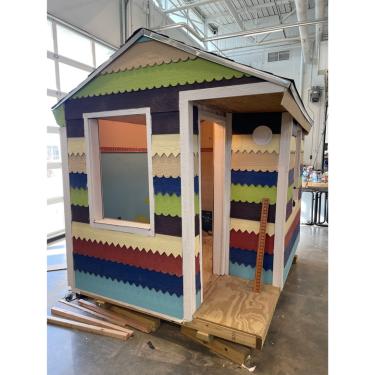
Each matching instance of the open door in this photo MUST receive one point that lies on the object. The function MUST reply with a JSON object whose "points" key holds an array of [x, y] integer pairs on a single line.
{"points": [[214, 171]]}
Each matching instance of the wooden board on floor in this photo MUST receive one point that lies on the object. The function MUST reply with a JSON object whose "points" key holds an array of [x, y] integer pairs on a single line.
{"points": [[88, 320], [87, 328], [146, 320], [233, 304], [236, 353]]}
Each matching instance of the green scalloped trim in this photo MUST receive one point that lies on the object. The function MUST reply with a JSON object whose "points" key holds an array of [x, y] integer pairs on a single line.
{"points": [[79, 197], [59, 114], [255, 194], [166, 204], [165, 75]]}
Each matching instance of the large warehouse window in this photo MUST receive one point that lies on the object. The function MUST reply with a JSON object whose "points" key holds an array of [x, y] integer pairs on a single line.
{"points": [[72, 56]]}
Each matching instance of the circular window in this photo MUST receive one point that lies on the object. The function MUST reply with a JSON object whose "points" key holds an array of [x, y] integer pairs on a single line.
{"points": [[262, 135]]}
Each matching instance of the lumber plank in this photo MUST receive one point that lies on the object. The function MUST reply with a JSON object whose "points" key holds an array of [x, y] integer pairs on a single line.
{"points": [[203, 336], [223, 332], [94, 313], [233, 352], [149, 321], [117, 318], [87, 328], [89, 320]]}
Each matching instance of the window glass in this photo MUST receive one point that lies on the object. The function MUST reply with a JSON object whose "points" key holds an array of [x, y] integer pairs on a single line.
{"points": [[71, 77], [102, 53], [51, 75], [53, 148], [124, 168], [75, 46], [49, 37], [55, 218], [54, 183], [51, 101]]}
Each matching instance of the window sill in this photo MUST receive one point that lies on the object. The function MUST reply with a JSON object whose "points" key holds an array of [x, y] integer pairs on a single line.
{"points": [[123, 226]]}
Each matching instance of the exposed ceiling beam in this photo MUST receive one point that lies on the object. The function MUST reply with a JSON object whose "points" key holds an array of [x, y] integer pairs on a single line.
{"points": [[265, 30], [234, 14], [205, 2]]}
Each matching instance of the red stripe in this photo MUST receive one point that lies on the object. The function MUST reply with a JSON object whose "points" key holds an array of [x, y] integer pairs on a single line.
{"points": [[122, 149], [249, 241], [127, 255], [293, 226]]}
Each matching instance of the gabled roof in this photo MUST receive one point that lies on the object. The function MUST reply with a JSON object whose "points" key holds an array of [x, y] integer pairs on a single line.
{"points": [[184, 48]]}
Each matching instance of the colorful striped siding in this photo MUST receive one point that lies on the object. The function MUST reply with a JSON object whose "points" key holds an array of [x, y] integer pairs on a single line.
{"points": [[289, 263], [255, 161], [146, 298], [159, 100], [254, 178], [250, 211], [129, 274], [248, 272], [255, 194], [80, 214], [249, 241], [290, 237], [78, 180], [250, 226], [249, 257], [170, 185], [157, 76], [245, 123]]}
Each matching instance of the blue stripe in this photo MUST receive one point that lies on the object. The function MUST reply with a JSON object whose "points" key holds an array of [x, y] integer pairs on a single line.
{"points": [[172, 185], [289, 247], [137, 296], [167, 185], [249, 258], [254, 178], [290, 260], [247, 272], [78, 180], [129, 274], [197, 281]]}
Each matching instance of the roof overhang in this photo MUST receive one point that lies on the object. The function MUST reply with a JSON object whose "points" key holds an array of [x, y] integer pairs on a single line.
{"points": [[296, 106]]}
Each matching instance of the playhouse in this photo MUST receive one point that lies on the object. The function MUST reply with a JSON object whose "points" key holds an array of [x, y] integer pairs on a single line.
{"points": [[167, 152]]}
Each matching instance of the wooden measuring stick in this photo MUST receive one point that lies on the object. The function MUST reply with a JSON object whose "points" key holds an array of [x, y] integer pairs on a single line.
{"points": [[261, 244]]}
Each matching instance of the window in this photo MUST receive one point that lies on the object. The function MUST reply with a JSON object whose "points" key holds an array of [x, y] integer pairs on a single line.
{"points": [[73, 45], [278, 56], [71, 57], [119, 170]]}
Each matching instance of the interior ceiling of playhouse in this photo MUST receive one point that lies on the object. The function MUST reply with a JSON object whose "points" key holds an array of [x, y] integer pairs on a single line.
{"points": [[248, 103]]}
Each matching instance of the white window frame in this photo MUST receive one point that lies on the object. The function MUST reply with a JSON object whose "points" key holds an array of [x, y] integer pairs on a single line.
{"points": [[94, 177]]}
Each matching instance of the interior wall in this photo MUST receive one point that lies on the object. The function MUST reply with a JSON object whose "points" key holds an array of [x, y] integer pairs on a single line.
{"points": [[207, 177]]}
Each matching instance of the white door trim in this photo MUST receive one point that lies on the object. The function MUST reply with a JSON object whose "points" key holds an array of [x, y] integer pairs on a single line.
{"points": [[281, 199], [187, 176]]}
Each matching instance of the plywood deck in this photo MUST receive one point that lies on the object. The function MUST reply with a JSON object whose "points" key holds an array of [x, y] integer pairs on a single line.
{"points": [[234, 312]]}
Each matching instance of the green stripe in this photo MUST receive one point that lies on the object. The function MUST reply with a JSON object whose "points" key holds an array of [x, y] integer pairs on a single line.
{"points": [[171, 74], [59, 114], [166, 204], [255, 194], [79, 197]]}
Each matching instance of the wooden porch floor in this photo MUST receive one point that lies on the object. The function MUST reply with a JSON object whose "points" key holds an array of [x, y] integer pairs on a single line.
{"points": [[234, 312]]}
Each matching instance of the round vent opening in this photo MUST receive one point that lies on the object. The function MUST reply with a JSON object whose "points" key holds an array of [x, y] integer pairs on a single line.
{"points": [[262, 135]]}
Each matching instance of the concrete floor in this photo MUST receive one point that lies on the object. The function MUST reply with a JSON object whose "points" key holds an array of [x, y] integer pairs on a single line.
{"points": [[297, 342]]}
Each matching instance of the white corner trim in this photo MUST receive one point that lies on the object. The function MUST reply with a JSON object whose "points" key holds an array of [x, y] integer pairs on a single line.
{"points": [[187, 208], [281, 199], [94, 178], [67, 207]]}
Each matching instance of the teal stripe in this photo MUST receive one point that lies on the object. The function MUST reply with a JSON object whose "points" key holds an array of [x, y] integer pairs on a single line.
{"points": [[146, 298], [247, 272], [290, 260]]}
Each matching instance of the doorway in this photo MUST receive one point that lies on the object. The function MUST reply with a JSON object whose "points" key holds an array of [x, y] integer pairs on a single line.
{"points": [[212, 140]]}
